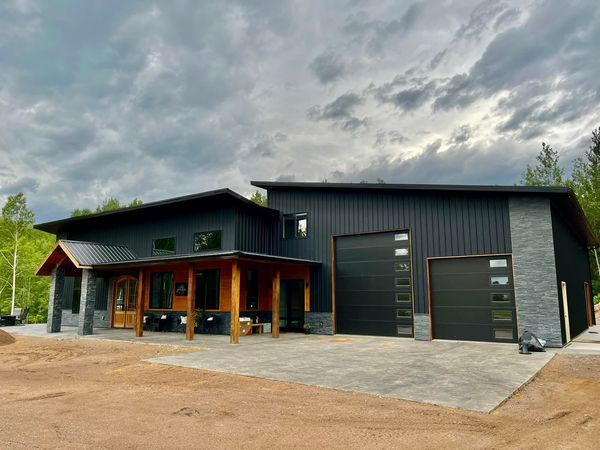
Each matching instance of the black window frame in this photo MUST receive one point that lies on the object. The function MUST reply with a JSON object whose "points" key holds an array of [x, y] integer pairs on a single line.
{"points": [[220, 234], [162, 252], [256, 290], [294, 219], [152, 304], [76, 299]]}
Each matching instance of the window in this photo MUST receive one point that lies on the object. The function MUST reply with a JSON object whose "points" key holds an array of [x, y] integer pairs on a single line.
{"points": [[401, 252], [161, 290], [295, 226], [402, 282], [163, 246], [404, 330], [502, 316], [208, 287], [207, 240], [401, 237], [503, 333], [403, 313], [252, 289], [76, 295], [499, 280], [402, 267], [501, 297], [402, 297], [498, 263]]}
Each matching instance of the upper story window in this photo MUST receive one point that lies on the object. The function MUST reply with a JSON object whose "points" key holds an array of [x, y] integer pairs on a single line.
{"points": [[207, 240], [163, 246], [295, 226]]}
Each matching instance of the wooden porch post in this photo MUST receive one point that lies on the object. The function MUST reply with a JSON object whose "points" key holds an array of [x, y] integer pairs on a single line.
{"points": [[139, 310], [275, 305], [235, 303], [191, 299]]}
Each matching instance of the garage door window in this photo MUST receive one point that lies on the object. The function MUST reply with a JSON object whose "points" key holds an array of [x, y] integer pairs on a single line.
{"points": [[499, 280], [402, 297], [401, 252], [403, 313], [495, 263], [503, 334], [501, 316], [404, 330], [402, 282], [501, 297], [401, 237], [402, 267]]}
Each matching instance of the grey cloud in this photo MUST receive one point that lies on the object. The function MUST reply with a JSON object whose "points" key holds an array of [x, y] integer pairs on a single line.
{"points": [[507, 17], [23, 184], [286, 178], [382, 138], [437, 59], [328, 67], [433, 147], [341, 112], [461, 135], [410, 99], [483, 14]]}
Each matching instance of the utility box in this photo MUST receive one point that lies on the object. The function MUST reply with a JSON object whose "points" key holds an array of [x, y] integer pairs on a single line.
{"points": [[245, 326]]}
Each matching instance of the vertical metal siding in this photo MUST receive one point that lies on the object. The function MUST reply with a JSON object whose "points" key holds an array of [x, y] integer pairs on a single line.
{"points": [[442, 225]]}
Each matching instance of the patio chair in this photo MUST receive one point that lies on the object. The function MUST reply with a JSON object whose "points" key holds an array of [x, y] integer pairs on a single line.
{"points": [[21, 315]]}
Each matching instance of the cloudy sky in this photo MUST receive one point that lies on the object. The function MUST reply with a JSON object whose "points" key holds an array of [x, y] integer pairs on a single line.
{"points": [[158, 99]]}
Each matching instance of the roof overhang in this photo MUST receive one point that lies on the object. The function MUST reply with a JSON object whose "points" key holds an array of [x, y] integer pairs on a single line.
{"points": [[60, 256]]}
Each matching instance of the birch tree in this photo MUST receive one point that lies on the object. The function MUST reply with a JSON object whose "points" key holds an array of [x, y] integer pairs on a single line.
{"points": [[17, 219]]}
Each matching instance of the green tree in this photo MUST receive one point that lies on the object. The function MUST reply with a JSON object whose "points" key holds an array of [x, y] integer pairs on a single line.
{"points": [[16, 220], [108, 204], [259, 198], [546, 172]]}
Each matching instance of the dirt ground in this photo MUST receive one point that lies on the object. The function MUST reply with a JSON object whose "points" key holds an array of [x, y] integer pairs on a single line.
{"points": [[84, 394]]}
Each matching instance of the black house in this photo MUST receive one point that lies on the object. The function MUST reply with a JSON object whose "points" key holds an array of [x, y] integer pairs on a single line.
{"points": [[425, 261]]}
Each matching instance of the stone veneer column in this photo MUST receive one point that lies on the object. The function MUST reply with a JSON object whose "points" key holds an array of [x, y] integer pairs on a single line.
{"points": [[57, 284], [87, 302], [422, 327], [536, 289]]}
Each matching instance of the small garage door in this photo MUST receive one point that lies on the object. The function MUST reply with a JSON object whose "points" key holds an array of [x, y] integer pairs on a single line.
{"points": [[373, 293], [473, 299]]}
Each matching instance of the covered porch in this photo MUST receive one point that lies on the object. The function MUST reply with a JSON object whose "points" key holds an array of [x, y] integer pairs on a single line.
{"points": [[198, 293]]}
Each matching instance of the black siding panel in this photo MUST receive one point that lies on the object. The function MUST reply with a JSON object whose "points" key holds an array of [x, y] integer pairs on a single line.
{"points": [[101, 293], [572, 267], [451, 224]]}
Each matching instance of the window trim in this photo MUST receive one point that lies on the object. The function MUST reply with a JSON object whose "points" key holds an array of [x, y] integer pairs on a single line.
{"points": [[498, 267], [398, 264], [397, 279], [399, 252], [501, 302], [218, 272], [220, 247], [500, 320], [164, 238], [396, 294], [296, 217], [248, 308], [151, 290], [498, 284], [512, 334]]}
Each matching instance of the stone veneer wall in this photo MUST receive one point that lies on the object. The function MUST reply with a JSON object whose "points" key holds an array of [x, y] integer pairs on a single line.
{"points": [[101, 319], [422, 327], [320, 322], [536, 290]]}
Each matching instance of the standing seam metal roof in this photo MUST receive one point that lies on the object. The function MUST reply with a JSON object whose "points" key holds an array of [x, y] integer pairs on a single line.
{"points": [[92, 253]]}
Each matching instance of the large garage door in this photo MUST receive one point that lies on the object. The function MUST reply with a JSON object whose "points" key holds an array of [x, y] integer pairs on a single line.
{"points": [[373, 293], [473, 299]]}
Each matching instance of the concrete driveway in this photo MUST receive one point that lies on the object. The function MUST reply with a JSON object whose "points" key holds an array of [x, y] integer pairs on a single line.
{"points": [[475, 376]]}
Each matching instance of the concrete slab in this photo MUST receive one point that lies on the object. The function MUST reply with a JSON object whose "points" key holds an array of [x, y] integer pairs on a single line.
{"points": [[475, 376], [468, 375]]}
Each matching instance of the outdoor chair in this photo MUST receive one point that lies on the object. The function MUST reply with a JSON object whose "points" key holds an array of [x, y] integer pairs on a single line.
{"points": [[21, 315]]}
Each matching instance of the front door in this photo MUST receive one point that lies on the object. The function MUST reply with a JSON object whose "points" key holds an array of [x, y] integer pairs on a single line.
{"points": [[125, 302], [291, 311]]}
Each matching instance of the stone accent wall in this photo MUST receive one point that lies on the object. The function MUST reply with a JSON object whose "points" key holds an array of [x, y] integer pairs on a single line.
{"points": [[320, 322], [101, 319], [536, 290], [422, 327], [87, 303], [57, 284]]}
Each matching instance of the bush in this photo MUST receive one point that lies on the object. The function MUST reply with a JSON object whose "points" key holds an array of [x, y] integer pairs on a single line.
{"points": [[596, 299]]}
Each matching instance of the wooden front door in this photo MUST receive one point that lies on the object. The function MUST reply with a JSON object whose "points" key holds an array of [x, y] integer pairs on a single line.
{"points": [[125, 302]]}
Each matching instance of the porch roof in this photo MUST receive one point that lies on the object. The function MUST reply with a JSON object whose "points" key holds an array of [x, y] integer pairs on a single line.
{"points": [[88, 255]]}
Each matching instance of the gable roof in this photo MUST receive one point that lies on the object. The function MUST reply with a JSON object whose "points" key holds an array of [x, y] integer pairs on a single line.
{"points": [[563, 199], [203, 198]]}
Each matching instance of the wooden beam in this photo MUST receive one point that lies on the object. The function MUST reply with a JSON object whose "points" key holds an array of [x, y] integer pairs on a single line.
{"points": [[234, 335], [589, 304], [139, 310], [191, 300], [307, 290], [275, 304]]}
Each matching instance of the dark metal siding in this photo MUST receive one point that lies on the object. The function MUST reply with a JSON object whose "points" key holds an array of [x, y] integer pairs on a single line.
{"points": [[256, 234], [138, 233], [572, 267], [451, 224]]}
